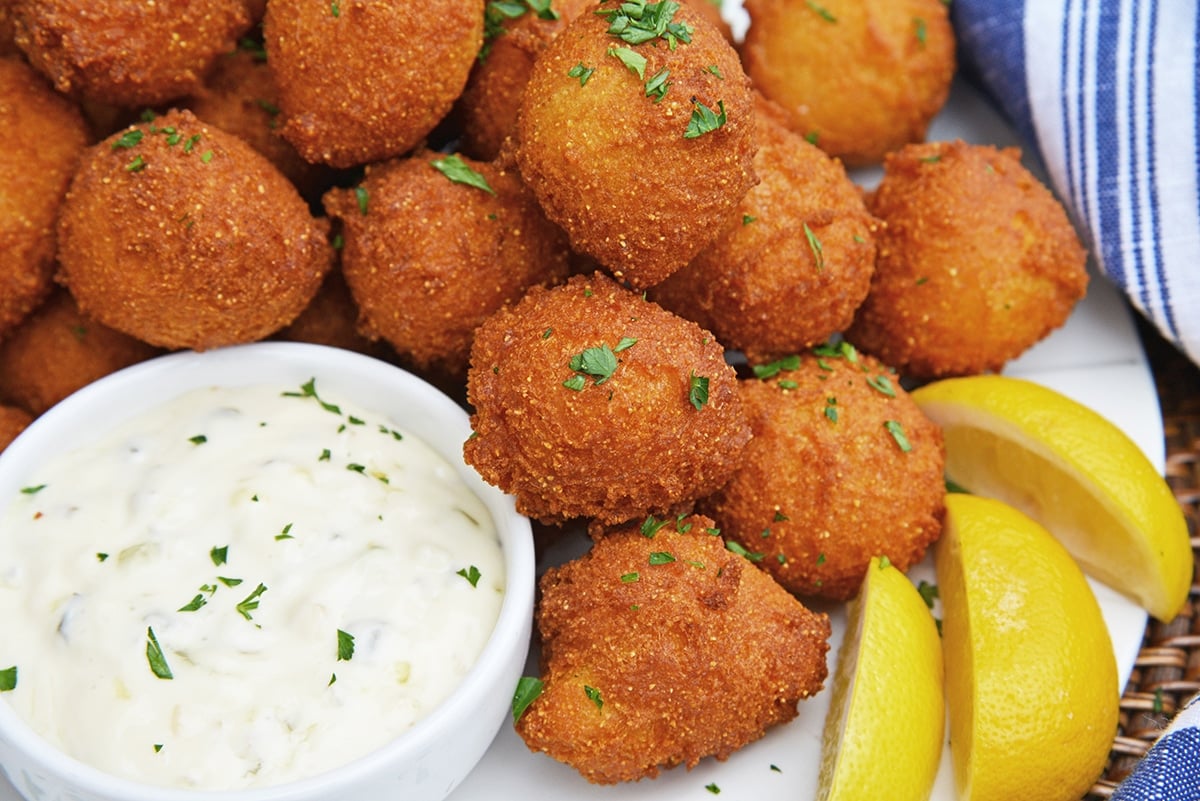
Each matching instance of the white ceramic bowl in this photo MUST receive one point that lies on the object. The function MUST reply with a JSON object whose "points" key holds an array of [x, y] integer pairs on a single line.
{"points": [[427, 761]]}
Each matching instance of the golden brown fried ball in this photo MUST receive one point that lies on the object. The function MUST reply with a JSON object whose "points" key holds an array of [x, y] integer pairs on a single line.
{"points": [[859, 77], [331, 318], [8, 43], [429, 257], [593, 402], [660, 651], [362, 81], [793, 261], [12, 422], [638, 150], [843, 466], [59, 350], [127, 54], [977, 262], [184, 236], [44, 135], [240, 98]]}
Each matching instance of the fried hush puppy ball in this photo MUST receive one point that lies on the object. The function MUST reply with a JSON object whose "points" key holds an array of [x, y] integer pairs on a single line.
{"points": [[859, 77], [362, 81], [127, 54], [637, 136], [331, 318], [843, 466], [184, 236], [593, 402], [661, 649], [977, 262], [58, 350], [794, 259], [44, 136], [12, 422], [434, 244], [240, 98]]}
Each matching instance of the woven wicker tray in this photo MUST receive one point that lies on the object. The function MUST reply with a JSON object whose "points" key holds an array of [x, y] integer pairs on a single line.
{"points": [[1167, 670]]}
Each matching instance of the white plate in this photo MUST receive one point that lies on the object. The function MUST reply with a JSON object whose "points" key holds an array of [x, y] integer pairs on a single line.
{"points": [[1096, 358]]}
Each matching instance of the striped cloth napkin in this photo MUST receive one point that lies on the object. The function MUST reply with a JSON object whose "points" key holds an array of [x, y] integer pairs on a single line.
{"points": [[1171, 769], [1107, 93]]}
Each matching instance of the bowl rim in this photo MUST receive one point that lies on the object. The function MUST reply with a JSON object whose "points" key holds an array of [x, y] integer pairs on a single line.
{"points": [[200, 369]]}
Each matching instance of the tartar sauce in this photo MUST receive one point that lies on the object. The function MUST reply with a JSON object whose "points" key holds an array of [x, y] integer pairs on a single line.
{"points": [[244, 587]]}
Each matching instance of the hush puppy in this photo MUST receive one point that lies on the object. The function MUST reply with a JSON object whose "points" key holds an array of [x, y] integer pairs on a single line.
{"points": [[44, 136], [58, 350], [660, 647], [593, 402], [127, 54], [793, 261], [184, 236], [860, 78], [363, 81], [637, 136], [843, 466], [434, 244], [978, 261], [12, 422]]}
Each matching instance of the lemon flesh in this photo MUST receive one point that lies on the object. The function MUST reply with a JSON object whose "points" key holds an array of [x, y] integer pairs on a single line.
{"points": [[1074, 472], [1031, 680], [884, 730]]}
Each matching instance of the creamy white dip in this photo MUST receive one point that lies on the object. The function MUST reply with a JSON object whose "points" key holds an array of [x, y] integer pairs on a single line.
{"points": [[258, 536]]}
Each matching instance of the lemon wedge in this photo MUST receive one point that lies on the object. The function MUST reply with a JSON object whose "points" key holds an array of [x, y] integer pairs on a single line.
{"points": [[883, 733], [1074, 472], [1031, 680]]}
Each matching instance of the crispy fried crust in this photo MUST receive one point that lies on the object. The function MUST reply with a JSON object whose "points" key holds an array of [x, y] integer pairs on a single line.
{"points": [[364, 81], [59, 350], [862, 77], [188, 238], [431, 258], [613, 167], [826, 484], [44, 136], [127, 54], [793, 261], [978, 261], [567, 446], [12, 422], [661, 651]]}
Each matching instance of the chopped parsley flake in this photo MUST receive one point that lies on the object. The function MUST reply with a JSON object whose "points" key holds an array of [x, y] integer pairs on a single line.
{"points": [[101, 556], [199, 439], [638, 22], [928, 592], [34, 490], [594, 696], [713, 788], [309, 390], [884, 562], [194, 604], [815, 246], [156, 658], [897, 431], [220, 555], [629, 578], [600, 363], [8, 679], [715, 70], [127, 140], [736, 547], [250, 602], [698, 390], [651, 525], [471, 574], [633, 60], [527, 691], [919, 28], [335, 9], [229, 582], [748, 218], [882, 384], [363, 198], [325, 455], [661, 558], [657, 85], [821, 11], [345, 646], [457, 170], [286, 533], [206, 156], [831, 412], [581, 72], [776, 367], [705, 120], [137, 165]]}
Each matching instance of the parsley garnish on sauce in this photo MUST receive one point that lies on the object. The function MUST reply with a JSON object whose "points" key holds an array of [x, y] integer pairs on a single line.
{"points": [[8, 679], [219, 555], [454, 168], [250, 602], [156, 658], [345, 646], [704, 119], [471, 574], [527, 691], [309, 390]]}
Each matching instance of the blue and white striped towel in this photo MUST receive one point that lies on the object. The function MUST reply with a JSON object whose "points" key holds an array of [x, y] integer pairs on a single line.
{"points": [[1107, 92]]}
